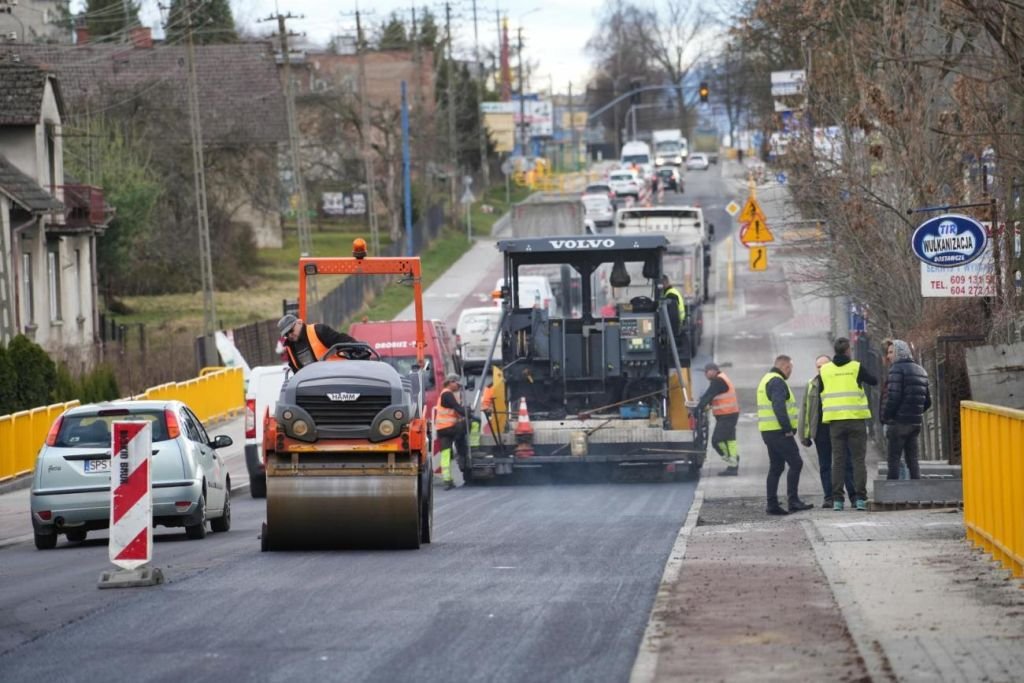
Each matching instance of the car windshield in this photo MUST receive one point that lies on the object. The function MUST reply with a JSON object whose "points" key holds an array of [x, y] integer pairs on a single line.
{"points": [[92, 430], [636, 159], [665, 171], [478, 323], [597, 189], [403, 364], [622, 176], [670, 146]]}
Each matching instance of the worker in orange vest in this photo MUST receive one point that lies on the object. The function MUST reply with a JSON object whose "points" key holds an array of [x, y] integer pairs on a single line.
{"points": [[305, 343], [725, 406], [450, 425]]}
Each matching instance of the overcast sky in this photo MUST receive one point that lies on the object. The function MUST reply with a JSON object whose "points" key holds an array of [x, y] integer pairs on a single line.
{"points": [[554, 35]]}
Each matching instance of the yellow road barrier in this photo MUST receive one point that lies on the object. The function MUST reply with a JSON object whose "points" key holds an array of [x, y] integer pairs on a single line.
{"points": [[992, 440], [218, 394]]}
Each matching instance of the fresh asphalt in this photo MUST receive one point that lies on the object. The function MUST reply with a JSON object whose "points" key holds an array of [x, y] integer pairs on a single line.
{"points": [[548, 581]]}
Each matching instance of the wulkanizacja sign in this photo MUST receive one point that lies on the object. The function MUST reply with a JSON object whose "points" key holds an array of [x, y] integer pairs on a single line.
{"points": [[949, 241]]}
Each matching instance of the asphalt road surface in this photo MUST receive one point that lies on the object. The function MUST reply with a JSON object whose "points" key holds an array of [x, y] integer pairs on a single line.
{"points": [[543, 582]]}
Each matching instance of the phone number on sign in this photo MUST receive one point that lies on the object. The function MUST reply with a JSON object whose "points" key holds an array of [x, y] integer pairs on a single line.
{"points": [[972, 280]]}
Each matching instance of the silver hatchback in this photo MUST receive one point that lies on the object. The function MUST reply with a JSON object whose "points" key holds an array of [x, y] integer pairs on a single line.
{"points": [[71, 486]]}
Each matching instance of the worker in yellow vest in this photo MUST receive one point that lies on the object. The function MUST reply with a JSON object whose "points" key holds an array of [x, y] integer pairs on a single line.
{"points": [[725, 406], [776, 420], [677, 319], [450, 425], [845, 409]]}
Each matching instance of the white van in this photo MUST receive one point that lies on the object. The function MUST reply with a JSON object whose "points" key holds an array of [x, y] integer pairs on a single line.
{"points": [[534, 290], [475, 332], [265, 384], [638, 154]]}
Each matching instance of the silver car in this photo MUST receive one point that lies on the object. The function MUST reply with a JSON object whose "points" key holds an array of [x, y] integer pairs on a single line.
{"points": [[71, 486]]}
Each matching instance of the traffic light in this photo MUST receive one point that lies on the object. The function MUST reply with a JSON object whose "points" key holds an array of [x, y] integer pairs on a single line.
{"points": [[704, 91]]}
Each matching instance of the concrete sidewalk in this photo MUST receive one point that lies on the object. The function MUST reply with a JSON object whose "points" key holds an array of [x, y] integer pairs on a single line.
{"points": [[847, 596]]}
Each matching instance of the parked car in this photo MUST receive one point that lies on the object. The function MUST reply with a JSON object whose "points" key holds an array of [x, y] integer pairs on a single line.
{"points": [[599, 188], [599, 209], [395, 341], [670, 178], [475, 332], [697, 162], [71, 484], [625, 183], [261, 394]]}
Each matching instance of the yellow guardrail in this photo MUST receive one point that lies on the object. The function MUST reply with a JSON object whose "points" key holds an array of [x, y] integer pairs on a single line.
{"points": [[992, 462], [219, 393]]}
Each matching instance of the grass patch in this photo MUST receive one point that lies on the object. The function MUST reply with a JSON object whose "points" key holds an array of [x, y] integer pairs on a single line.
{"points": [[495, 198]]}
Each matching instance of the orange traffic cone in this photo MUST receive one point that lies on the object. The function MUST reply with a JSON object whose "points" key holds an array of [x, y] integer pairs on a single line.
{"points": [[524, 431]]}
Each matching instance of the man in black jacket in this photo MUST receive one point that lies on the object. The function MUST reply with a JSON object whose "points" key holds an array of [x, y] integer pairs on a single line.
{"points": [[906, 398]]}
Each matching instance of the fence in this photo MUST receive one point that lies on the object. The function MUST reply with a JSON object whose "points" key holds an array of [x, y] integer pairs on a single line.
{"points": [[992, 443], [215, 395]]}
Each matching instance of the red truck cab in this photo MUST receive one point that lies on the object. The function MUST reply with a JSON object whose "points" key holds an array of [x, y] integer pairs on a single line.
{"points": [[395, 341]]}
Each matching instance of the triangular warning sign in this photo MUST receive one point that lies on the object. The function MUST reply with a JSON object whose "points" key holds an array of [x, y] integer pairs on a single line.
{"points": [[751, 210], [758, 232]]}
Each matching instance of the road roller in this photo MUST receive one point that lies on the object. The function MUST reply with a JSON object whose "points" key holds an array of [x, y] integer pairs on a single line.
{"points": [[346, 450]]}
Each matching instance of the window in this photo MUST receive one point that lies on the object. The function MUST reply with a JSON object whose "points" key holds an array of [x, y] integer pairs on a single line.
{"points": [[51, 155], [53, 279], [204, 438], [26, 287]]}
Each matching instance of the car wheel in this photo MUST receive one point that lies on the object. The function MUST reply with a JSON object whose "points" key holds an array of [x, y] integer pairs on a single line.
{"points": [[194, 531], [77, 535], [46, 541], [223, 523], [258, 486]]}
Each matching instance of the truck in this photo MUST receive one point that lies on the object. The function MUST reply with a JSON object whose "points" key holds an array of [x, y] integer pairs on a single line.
{"points": [[670, 147], [347, 452], [688, 260], [599, 388], [548, 213], [706, 141]]}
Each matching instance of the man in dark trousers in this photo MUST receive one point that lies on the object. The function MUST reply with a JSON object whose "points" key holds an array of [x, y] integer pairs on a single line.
{"points": [[307, 343], [907, 397], [725, 406], [814, 430], [776, 418], [450, 424], [844, 407]]}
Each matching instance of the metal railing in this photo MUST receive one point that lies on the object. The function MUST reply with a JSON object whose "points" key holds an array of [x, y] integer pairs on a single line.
{"points": [[216, 395], [992, 444]]}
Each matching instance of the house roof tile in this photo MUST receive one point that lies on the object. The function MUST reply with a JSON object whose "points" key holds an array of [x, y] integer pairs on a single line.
{"points": [[23, 190], [21, 93]]}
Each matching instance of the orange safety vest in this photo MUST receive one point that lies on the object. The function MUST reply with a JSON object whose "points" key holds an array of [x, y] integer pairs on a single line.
{"points": [[445, 417], [487, 401], [727, 403], [316, 346]]}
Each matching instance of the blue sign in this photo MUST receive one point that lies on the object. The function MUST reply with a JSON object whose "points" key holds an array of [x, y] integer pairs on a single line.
{"points": [[949, 241], [780, 178]]}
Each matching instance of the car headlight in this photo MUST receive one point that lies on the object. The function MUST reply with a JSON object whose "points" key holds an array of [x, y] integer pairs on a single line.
{"points": [[386, 427], [300, 428]]}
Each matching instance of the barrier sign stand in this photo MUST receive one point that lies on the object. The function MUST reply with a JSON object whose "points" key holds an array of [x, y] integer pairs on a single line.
{"points": [[131, 508]]}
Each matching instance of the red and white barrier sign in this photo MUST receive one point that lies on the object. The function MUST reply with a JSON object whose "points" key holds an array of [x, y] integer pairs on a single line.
{"points": [[131, 495]]}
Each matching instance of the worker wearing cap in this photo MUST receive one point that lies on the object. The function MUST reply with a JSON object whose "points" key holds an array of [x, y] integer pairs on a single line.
{"points": [[725, 406], [450, 425], [307, 343]]}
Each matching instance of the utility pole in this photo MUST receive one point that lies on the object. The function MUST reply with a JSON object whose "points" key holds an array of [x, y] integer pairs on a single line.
{"points": [[364, 115], [453, 143], [484, 166], [522, 94], [572, 124], [199, 180], [305, 237]]}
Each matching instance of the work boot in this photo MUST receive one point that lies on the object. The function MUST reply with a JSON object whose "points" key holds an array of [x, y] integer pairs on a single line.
{"points": [[449, 485], [776, 509], [837, 506], [731, 471], [828, 503], [796, 505], [862, 504]]}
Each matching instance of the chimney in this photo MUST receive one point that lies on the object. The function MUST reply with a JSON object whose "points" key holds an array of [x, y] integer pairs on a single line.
{"points": [[142, 37], [81, 35]]}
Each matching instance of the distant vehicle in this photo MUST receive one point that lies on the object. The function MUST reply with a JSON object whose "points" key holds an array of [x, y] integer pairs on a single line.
{"points": [[395, 341], [625, 183], [533, 291], [71, 484], [670, 179], [475, 331], [684, 226], [261, 394], [697, 162], [636, 153], [600, 188], [707, 141], [669, 147], [599, 209]]}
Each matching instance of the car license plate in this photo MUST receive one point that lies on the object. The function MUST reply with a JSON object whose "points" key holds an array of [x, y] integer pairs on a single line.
{"points": [[97, 465]]}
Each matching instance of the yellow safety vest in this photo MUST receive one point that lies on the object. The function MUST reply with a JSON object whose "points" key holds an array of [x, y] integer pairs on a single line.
{"points": [[841, 397], [681, 302], [727, 403], [766, 419]]}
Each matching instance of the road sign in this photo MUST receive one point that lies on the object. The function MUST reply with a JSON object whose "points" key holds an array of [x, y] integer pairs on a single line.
{"points": [[732, 208], [780, 178], [756, 231], [467, 197], [131, 495], [758, 258], [949, 241], [751, 210]]}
